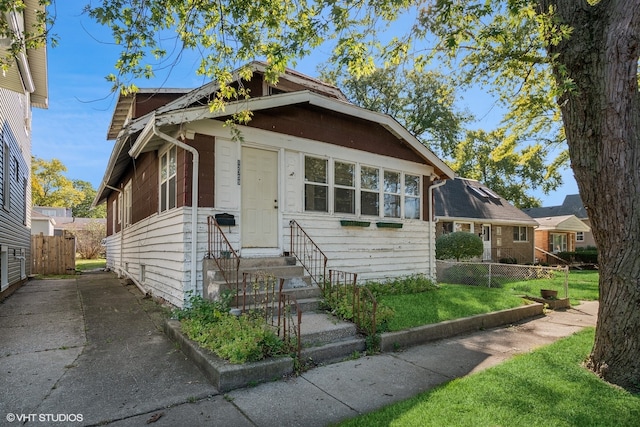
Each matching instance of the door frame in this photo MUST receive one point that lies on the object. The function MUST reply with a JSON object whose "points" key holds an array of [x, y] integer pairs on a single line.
{"points": [[262, 251], [486, 251]]}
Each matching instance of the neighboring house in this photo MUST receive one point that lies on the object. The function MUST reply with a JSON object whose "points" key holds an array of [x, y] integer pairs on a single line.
{"points": [[307, 155], [65, 221], [22, 86], [572, 205], [42, 224], [467, 205], [557, 234]]}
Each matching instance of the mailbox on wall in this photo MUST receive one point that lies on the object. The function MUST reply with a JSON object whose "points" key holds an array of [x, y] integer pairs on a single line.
{"points": [[225, 219]]}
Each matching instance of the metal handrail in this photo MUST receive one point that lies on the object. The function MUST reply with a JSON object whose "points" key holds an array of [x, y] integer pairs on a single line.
{"points": [[363, 303], [220, 250], [262, 295], [549, 254], [307, 252]]}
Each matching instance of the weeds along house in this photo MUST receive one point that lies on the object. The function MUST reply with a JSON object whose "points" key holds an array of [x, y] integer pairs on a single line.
{"points": [[355, 180], [22, 86]]}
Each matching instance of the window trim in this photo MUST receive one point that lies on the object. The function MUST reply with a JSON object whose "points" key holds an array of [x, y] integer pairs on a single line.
{"points": [[167, 153], [127, 206], [579, 236], [326, 185]]}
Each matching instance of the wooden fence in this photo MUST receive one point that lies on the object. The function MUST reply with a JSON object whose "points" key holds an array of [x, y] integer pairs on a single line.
{"points": [[53, 254]]}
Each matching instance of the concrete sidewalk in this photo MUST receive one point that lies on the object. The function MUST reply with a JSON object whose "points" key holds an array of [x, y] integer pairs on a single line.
{"points": [[92, 349]]}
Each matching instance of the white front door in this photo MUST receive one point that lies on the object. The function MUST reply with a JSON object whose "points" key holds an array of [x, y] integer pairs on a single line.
{"points": [[486, 242], [259, 183]]}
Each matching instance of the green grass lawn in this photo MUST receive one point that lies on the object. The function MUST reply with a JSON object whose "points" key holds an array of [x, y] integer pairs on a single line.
{"points": [[456, 301], [90, 264], [446, 303], [583, 286], [547, 387]]}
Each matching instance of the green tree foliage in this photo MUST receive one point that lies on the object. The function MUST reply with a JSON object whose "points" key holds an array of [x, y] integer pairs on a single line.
{"points": [[49, 185], [32, 37], [422, 101], [458, 245], [83, 209], [507, 167]]}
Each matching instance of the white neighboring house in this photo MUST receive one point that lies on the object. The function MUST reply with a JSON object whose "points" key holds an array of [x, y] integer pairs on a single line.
{"points": [[22, 86], [42, 224], [355, 180]]}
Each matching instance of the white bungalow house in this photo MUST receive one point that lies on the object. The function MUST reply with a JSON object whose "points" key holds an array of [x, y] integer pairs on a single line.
{"points": [[356, 181], [22, 86]]}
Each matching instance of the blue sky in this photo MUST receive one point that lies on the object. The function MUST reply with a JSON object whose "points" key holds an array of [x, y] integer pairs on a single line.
{"points": [[74, 128]]}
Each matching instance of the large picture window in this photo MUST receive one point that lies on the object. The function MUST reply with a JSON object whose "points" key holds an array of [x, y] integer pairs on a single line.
{"points": [[350, 188], [316, 184], [168, 185]]}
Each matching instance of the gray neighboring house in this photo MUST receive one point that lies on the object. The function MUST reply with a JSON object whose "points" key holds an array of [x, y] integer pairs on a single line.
{"points": [[467, 205], [22, 86], [572, 205]]}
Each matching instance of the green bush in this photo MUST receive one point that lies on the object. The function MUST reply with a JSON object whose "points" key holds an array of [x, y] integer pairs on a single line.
{"points": [[584, 256], [404, 285], [458, 245]]}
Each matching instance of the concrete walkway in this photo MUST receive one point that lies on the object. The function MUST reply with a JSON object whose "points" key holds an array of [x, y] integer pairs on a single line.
{"points": [[91, 351]]}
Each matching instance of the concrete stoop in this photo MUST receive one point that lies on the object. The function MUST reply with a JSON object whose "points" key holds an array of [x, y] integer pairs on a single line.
{"points": [[333, 345]]}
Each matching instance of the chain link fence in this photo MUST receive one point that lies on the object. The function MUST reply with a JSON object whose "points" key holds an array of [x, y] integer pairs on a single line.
{"points": [[525, 278]]}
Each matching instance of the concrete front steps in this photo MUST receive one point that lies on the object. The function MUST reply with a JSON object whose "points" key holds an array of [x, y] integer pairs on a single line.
{"points": [[324, 337]]}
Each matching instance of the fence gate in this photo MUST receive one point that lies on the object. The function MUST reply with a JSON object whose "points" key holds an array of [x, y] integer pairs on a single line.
{"points": [[53, 254]]}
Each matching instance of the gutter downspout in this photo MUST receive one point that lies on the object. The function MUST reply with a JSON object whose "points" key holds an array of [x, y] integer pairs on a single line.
{"points": [[194, 198], [431, 221], [122, 270]]}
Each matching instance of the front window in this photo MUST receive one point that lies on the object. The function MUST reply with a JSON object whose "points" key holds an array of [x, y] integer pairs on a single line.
{"points": [[168, 173], [369, 191], [520, 234], [558, 242], [467, 227], [412, 196], [580, 236], [344, 190], [392, 194], [349, 188], [316, 184]]}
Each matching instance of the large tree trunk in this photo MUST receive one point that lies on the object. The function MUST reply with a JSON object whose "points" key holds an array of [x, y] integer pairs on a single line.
{"points": [[601, 118]]}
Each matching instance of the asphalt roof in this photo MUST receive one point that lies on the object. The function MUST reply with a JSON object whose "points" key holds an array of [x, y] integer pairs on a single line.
{"points": [[572, 205], [467, 198]]}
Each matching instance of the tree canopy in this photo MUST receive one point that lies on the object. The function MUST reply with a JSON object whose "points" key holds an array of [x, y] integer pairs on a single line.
{"points": [[50, 187]]}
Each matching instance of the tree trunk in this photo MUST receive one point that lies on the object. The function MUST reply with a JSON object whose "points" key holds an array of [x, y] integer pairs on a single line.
{"points": [[601, 115]]}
